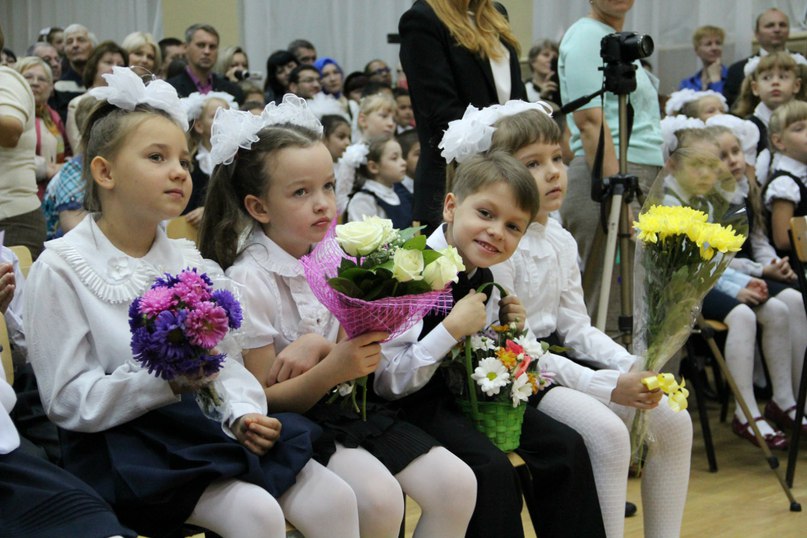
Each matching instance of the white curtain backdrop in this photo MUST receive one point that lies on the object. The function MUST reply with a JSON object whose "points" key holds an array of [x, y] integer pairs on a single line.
{"points": [[352, 32]]}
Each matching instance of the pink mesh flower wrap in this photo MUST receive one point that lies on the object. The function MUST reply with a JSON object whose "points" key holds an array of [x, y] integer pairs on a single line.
{"points": [[391, 314]]}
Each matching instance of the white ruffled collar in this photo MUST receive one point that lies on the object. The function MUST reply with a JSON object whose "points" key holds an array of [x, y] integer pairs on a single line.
{"points": [[387, 194], [271, 256], [112, 275], [789, 164]]}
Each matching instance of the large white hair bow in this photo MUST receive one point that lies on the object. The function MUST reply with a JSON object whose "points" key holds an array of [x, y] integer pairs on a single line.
{"points": [[746, 132], [473, 133], [751, 64], [680, 98], [194, 103], [672, 124], [125, 89], [233, 129]]}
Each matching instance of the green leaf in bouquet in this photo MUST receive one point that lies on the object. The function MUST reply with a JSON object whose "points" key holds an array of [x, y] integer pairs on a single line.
{"points": [[408, 233], [384, 273], [413, 287], [430, 256], [416, 243], [346, 264], [345, 286], [381, 288]]}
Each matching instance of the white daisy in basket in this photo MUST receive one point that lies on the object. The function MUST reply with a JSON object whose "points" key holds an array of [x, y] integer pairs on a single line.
{"points": [[522, 389], [491, 375]]}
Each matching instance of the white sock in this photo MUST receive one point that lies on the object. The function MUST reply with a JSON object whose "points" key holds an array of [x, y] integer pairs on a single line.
{"points": [[320, 504], [739, 350], [235, 508], [445, 488], [665, 477], [798, 333], [378, 494], [608, 444]]}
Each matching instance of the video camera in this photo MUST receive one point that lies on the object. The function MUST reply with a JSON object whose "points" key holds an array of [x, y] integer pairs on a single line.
{"points": [[619, 51]]}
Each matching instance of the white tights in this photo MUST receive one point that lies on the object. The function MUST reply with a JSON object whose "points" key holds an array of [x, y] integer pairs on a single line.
{"points": [[605, 432], [319, 504], [780, 350], [798, 333], [443, 486]]}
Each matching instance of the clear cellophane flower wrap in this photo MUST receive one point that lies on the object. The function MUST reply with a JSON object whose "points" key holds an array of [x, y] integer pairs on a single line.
{"points": [[686, 234], [393, 315]]}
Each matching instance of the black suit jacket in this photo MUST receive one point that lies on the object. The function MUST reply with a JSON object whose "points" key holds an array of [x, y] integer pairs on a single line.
{"points": [[185, 86], [734, 80], [443, 79]]}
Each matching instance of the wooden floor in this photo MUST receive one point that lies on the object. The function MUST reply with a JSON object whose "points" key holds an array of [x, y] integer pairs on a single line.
{"points": [[742, 499]]}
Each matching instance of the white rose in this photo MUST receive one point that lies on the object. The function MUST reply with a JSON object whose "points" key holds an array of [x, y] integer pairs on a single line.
{"points": [[444, 269], [407, 265], [362, 238]]}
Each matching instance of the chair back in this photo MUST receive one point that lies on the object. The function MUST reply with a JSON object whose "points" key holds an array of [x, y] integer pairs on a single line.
{"points": [[5, 352], [179, 228], [798, 243], [24, 256]]}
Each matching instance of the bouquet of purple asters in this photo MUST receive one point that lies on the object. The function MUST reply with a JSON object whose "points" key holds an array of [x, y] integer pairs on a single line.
{"points": [[176, 326]]}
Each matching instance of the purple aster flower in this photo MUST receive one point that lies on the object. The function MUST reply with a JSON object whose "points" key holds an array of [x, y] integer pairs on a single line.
{"points": [[206, 325], [135, 317], [226, 300], [166, 281]]}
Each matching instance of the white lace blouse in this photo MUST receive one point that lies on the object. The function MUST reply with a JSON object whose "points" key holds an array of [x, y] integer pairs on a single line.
{"points": [[279, 306], [77, 301]]}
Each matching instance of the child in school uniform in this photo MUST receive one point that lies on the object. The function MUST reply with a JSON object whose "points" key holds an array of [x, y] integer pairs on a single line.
{"points": [[142, 442], [489, 206], [376, 194], [283, 186], [785, 193], [410, 148], [599, 405]]}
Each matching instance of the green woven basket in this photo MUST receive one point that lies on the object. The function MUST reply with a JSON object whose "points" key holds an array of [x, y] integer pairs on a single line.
{"points": [[500, 421]]}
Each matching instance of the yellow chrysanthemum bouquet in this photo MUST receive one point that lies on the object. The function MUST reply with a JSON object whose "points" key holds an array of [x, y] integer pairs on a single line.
{"points": [[681, 251]]}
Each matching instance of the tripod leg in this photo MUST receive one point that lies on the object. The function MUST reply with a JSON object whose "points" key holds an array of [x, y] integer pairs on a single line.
{"points": [[773, 462], [608, 259], [794, 440]]}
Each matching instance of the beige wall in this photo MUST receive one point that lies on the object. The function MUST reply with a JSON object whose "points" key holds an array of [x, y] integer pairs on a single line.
{"points": [[223, 15], [520, 12]]}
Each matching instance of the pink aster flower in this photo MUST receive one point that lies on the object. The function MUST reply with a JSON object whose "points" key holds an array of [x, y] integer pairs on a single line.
{"points": [[206, 324], [191, 288], [157, 300]]}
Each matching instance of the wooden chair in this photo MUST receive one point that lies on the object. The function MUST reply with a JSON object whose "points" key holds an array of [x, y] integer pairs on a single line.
{"points": [[179, 228], [798, 259], [5, 352], [24, 255]]}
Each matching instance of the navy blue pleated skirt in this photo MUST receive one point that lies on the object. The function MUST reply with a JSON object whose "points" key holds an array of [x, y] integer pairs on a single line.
{"points": [[152, 470]]}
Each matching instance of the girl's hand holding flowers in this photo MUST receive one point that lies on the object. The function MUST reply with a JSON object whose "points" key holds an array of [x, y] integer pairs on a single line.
{"points": [[357, 357], [512, 311], [631, 392], [256, 432]]}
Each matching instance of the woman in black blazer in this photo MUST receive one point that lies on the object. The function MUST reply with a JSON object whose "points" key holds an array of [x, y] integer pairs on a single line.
{"points": [[444, 78]]}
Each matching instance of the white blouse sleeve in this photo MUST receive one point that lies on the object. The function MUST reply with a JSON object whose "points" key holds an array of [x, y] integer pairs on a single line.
{"points": [[361, 205], [782, 188], [259, 307], [76, 392], [407, 363], [345, 176], [576, 332], [597, 383]]}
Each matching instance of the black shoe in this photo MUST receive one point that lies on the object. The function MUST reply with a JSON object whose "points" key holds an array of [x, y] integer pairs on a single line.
{"points": [[630, 509]]}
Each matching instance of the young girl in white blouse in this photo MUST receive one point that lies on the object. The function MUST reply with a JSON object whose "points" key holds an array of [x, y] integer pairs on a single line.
{"points": [[278, 193], [785, 193], [138, 440], [545, 276], [376, 195]]}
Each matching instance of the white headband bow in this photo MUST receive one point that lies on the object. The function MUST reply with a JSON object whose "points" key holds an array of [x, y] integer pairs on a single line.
{"points": [[746, 132], [751, 65], [233, 129], [680, 98], [194, 103], [473, 133], [672, 124], [125, 89]]}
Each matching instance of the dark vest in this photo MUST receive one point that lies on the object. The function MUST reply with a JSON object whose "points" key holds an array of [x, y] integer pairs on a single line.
{"points": [[801, 208], [401, 214]]}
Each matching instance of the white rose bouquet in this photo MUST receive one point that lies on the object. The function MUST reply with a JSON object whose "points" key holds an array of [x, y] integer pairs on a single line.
{"points": [[373, 277]]}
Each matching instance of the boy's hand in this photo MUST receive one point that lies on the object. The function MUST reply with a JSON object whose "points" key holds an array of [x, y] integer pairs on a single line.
{"points": [[631, 392], [468, 316], [512, 311], [357, 357], [298, 357], [256, 432], [8, 284]]}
